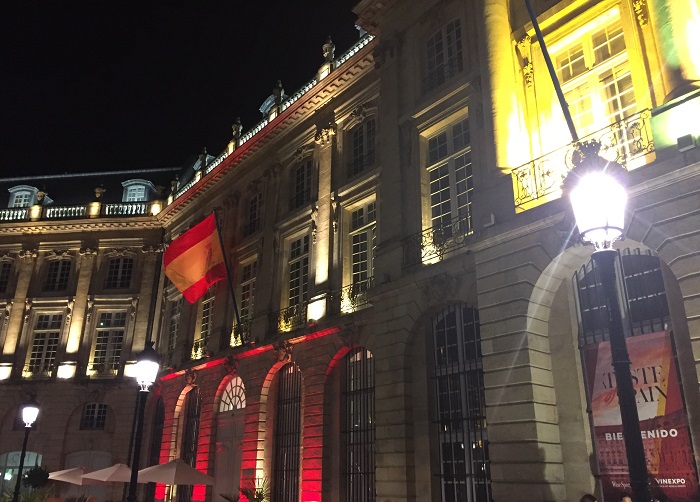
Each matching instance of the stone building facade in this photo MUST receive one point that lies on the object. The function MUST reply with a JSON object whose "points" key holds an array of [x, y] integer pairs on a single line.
{"points": [[414, 303]]}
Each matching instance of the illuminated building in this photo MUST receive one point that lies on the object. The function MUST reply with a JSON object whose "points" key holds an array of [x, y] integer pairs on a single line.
{"points": [[412, 297]]}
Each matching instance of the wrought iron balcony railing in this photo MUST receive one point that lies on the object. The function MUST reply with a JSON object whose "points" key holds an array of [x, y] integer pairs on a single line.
{"points": [[292, 317], [240, 334], [75, 212], [199, 348], [101, 370], [433, 244], [351, 298], [628, 142], [360, 163], [38, 370]]}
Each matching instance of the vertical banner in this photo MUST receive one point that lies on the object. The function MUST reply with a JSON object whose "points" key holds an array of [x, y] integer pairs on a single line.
{"points": [[662, 418]]}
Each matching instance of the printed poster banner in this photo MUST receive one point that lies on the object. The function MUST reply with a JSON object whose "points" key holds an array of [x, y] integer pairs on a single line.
{"points": [[662, 418]]}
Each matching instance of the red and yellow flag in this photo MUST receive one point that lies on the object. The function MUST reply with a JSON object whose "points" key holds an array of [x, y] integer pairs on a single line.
{"points": [[194, 261]]}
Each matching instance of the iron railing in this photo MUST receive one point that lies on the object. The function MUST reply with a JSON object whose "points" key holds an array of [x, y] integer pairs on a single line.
{"points": [[38, 370], [14, 214], [291, 317], [199, 348], [58, 212], [241, 334], [75, 212], [99, 370], [126, 209], [431, 245], [351, 298], [627, 142]]}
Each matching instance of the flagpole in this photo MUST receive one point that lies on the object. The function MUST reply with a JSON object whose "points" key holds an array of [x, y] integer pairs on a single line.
{"points": [[228, 272]]}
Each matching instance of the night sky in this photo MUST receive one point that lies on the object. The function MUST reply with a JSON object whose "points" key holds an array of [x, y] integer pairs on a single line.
{"points": [[107, 85]]}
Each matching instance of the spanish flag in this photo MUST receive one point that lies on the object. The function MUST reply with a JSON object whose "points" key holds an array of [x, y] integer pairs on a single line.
{"points": [[194, 261]]}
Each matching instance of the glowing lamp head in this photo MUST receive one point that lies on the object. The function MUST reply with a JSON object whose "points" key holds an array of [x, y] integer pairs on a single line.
{"points": [[146, 367], [598, 196], [30, 412]]}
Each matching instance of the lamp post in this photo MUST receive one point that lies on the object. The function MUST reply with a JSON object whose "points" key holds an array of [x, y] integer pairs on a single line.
{"points": [[146, 371], [598, 197], [30, 411]]}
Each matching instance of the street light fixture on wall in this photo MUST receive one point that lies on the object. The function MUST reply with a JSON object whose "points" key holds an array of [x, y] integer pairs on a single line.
{"points": [[30, 411], [596, 188], [145, 372]]}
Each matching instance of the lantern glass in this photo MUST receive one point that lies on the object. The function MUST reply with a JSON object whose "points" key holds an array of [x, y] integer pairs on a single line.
{"points": [[599, 202], [30, 412]]}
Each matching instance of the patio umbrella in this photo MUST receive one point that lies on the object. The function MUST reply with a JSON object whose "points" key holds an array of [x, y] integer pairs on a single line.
{"points": [[175, 472], [120, 473], [73, 476]]}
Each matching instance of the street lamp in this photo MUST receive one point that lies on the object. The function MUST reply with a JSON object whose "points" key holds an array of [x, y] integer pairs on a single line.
{"points": [[146, 371], [30, 411], [598, 197]]}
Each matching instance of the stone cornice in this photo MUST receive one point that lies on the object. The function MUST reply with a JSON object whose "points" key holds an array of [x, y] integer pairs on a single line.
{"points": [[301, 109], [87, 225]]}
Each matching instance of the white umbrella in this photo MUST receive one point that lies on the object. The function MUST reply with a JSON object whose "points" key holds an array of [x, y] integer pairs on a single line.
{"points": [[73, 476], [175, 472], [117, 473]]}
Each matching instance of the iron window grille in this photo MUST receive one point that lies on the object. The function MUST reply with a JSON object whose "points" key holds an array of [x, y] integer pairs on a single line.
{"points": [[287, 443], [94, 417], [119, 273], [233, 397], [5, 269], [358, 431], [190, 437], [57, 275], [464, 470]]}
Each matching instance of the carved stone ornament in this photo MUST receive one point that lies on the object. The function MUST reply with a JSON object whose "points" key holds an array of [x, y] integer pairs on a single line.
{"points": [[314, 226], [441, 288], [349, 335], [273, 171], [324, 134], [359, 114], [254, 186], [27, 310], [120, 252], [158, 248], [87, 251], [6, 312], [525, 50], [231, 365], [385, 47], [28, 253], [134, 305], [302, 152], [640, 10], [282, 351], [231, 202], [190, 376], [90, 306], [58, 253], [69, 310], [335, 211], [7, 255]]}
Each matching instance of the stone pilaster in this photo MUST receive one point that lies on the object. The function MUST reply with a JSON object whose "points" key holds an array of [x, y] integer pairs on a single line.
{"points": [[15, 324]]}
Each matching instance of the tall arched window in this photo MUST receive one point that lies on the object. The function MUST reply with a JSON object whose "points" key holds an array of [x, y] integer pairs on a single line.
{"points": [[358, 426], [286, 456], [233, 397], [460, 410], [190, 434], [156, 442]]}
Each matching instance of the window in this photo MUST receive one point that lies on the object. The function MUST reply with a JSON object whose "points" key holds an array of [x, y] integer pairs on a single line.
{"points": [[450, 178], [119, 273], [199, 347], [254, 216], [301, 185], [190, 436], [287, 442], [362, 139], [47, 331], [135, 194], [248, 278], [175, 312], [299, 271], [363, 242], [5, 269], [459, 404], [595, 75], [233, 397], [22, 199], [358, 426], [23, 196], [94, 417], [137, 190], [109, 336], [57, 275], [9, 467], [443, 56]]}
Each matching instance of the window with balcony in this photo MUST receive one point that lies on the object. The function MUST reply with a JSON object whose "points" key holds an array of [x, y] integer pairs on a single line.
{"points": [[450, 179], [363, 243], [459, 404], [57, 275], [5, 270], [254, 215], [173, 325], [94, 417], [298, 271], [301, 184], [363, 138], [248, 278], [119, 272], [45, 338], [109, 337], [206, 317], [443, 56], [593, 68]]}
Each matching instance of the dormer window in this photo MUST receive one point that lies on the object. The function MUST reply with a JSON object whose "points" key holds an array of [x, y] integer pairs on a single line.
{"points": [[137, 190], [22, 196]]}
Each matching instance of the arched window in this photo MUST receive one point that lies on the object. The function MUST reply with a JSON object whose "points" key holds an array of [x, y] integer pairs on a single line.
{"points": [[233, 397], [190, 436], [358, 426], [287, 442], [459, 405]]}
